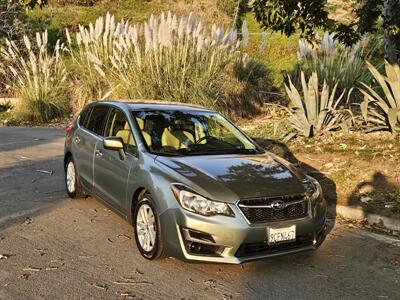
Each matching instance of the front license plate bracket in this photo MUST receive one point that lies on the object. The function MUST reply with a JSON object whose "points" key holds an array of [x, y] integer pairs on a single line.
{"points": [[278, 235]]}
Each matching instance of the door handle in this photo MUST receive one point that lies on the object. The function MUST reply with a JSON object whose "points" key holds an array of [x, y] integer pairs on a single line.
{"points": [[77, 140], [98, 153]]}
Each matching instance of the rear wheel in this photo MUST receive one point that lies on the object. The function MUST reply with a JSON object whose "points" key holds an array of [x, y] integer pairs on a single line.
{"points": [[72, 184], [147, 229]]}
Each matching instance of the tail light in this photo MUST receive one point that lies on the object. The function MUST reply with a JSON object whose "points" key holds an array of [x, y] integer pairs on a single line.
{"points": [[68, 128]]}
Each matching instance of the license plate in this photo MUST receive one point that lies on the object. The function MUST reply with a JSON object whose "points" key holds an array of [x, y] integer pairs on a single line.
{"points": [[282, 234]]}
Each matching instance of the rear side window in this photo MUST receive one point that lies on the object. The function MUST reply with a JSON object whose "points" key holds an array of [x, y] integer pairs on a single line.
{"points": [[83, 118], [97, 119]]}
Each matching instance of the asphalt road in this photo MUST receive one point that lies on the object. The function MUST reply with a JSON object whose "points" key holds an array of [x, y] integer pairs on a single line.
{"points": [[52, 247]]}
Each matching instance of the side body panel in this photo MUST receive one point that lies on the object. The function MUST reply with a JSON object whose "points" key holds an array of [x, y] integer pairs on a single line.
{"points": [[83, 147], [111, 175]]}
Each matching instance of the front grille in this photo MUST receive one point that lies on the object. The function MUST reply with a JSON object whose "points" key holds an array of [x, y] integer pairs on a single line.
{"points": [[258, 210], [262, 248]]}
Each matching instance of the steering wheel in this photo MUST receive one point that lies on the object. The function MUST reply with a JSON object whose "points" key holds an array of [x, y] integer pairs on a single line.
{"points": [[204, 138], [210, 137]]}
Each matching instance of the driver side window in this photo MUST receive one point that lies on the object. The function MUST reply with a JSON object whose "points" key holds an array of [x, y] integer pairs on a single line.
{"points": [[118, 126]]}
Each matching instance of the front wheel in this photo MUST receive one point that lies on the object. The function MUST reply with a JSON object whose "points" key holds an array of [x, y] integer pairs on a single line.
{"points": [[72, 183], [147, 229]]}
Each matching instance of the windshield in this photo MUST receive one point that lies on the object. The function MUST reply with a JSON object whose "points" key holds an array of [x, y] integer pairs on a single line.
{"points": [[191, 133]]}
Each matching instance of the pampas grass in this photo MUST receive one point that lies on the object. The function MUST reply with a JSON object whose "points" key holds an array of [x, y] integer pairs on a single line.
{"points": [[89, 48], [37, 77], [165, 57], [335, 63], [176, 61]]}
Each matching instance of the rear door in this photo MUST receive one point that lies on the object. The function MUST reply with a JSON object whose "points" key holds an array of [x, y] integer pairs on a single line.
{"points": [[110, 172], [84, 142]]}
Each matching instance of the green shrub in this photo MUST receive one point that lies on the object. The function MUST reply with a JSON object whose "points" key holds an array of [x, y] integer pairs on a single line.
{"points": [[337, 64], [249, 69], [37, 78], [5, 106], [314, 113], [382, 108]]}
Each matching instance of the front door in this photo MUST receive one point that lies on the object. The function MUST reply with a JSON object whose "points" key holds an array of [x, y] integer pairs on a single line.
{"points": [[111, 174]]}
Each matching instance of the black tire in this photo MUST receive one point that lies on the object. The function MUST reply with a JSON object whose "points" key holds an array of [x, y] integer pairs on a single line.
{"points": [[157, 251], [77, 192]]}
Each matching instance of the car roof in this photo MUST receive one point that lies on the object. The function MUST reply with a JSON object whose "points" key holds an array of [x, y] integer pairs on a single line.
{"points": [[155, 105]]}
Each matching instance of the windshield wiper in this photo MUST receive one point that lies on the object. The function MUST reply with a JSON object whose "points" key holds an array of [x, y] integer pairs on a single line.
{"points": [[222, 151], [167, 153], [243, 150]]}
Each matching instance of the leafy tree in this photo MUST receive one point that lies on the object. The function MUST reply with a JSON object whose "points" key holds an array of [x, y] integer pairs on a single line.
{"points": [[290, 16], [375, 16]]}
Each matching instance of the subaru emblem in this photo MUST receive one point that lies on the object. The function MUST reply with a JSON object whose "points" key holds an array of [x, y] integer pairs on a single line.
{"points": [[278, 205]]}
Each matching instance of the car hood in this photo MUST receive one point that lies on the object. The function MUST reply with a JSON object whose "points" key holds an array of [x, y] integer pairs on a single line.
{"points": [[261, 175]]}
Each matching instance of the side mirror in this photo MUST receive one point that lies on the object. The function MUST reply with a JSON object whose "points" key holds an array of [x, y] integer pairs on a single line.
{"points": [[116, 144]]}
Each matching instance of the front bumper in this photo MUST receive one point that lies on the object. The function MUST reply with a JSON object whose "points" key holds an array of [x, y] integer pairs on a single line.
{"points": [[237, 241]]}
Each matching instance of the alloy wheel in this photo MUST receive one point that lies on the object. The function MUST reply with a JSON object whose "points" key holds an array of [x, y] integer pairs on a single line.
{"points": [[71, 177], [146, 227]]}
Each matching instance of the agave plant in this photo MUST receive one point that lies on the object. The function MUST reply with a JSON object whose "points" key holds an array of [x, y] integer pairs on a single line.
{"points": [[314, 113], [383, 112], [37, 77]]}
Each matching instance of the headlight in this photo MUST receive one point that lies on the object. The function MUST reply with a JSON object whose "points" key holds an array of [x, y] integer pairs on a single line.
{"points": [[193, 202], [313, 188]]}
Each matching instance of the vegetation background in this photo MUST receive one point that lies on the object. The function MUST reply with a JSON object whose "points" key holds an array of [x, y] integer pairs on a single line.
{"points": [[313, 88]]}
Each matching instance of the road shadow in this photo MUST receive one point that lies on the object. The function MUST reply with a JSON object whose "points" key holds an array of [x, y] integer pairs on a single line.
{"points": [[26, 190], [328, 185], [31, 173], [19, 138]]}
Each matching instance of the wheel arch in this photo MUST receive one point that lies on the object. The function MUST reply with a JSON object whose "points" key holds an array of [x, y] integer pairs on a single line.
{"points": [[135, 198], [67, 155]]}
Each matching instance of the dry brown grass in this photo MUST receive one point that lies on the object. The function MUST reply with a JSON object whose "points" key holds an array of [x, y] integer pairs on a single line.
{"points": [[343, 10], [205, 10]]}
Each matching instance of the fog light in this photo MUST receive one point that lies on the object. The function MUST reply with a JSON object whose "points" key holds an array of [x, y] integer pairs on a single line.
{"points": [[200, 243], [194, 247]]}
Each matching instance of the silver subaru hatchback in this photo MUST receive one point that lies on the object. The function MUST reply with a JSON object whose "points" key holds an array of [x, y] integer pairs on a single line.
{"points": [[191, 183]]}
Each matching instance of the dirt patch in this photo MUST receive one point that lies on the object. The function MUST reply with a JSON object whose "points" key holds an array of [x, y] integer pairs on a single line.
{"points": [[341, 10], [364, 167]]}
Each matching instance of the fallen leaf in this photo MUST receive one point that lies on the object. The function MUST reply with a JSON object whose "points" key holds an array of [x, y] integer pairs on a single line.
{"points": [[33, 269], [365, 199], [25, 276], [100, 286], [133, 282], [139, 272], [51, 172]]}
